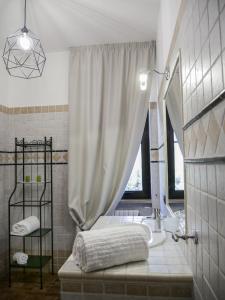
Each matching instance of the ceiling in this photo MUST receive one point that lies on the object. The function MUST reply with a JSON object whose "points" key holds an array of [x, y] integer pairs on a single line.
{"points": [[65, 23]]}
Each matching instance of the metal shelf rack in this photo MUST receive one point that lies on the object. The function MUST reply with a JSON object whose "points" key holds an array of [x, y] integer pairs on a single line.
{"points": [[33, 159]]}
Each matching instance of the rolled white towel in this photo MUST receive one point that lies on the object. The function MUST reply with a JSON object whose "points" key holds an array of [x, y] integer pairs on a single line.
{"points": [[20, 257], [103, 248], [26, 226]]}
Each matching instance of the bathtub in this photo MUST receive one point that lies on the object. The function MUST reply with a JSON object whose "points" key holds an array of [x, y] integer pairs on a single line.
{"points": [[165, 275]]}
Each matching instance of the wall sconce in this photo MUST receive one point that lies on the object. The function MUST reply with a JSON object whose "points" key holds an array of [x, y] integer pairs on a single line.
{"points": [[143, 78]]}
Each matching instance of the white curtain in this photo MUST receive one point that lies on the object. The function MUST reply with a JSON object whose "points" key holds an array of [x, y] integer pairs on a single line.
{"points": [[174, 107], [107, 114]]}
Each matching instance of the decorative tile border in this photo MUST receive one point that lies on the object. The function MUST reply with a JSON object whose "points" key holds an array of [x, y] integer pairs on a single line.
{"points": [[206, 137], [58, 157], [33, 109]]}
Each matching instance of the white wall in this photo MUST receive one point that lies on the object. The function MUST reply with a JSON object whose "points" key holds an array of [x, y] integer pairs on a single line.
{"points": [[50, 89], [166, 24], [168, 14], [3, 84]]}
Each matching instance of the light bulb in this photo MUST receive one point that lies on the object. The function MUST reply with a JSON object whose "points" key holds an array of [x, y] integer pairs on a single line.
{"points": [[24, 42], [143, 79]]}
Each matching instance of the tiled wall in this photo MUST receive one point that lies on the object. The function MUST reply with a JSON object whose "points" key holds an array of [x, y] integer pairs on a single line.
{"points": [[55, 124], [201, 40], [203, 81], [3, 203], [206, 214], [33, 124]]}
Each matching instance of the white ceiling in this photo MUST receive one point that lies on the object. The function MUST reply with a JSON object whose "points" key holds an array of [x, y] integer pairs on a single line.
{"points": [[64, 23]]}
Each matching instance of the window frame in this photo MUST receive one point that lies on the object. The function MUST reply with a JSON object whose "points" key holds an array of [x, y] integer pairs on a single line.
{"points": [[146, 178], [173, 193]]}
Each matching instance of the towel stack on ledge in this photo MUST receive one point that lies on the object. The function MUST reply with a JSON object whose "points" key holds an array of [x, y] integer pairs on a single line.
{"points": [[104, 248], [26, 226]]}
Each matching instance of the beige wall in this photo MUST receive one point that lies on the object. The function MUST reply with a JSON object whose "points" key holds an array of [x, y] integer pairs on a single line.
{"points": [[201, 40], [169, 10]]}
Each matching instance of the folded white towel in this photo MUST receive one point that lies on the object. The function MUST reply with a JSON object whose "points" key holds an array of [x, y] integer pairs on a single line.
{"points": [[26, 226], [20, 257], [103, 248]]}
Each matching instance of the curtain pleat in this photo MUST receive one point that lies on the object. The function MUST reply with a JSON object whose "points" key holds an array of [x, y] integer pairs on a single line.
{"points": [[107, 113]]}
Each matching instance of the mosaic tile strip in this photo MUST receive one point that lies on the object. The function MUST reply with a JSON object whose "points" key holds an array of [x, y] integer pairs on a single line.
{"points": [[33, 109], [58, 157]]}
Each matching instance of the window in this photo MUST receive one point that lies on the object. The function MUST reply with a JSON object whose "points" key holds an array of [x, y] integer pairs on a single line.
{"points": [[138, 186], [175, 164]]}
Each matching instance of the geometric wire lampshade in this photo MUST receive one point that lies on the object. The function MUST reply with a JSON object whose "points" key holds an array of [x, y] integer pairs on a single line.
{"points": [[23, 54]]}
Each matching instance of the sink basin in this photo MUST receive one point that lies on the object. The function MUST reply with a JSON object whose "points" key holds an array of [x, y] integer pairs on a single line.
{"points": [[158, 238]]}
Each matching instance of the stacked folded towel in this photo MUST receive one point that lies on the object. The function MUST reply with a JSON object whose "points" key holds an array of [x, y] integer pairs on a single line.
{"points": [[26, 226], [103, 248], [20, 257]]}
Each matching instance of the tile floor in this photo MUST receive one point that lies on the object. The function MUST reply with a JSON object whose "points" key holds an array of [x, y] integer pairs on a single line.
{"points": [[28, 288]]}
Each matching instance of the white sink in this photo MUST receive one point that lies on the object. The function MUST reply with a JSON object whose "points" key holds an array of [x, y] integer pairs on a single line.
{"points": [[158, 238]]}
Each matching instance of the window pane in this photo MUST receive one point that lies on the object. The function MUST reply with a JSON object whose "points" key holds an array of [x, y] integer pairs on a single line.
{"points": [[179, 166], [135, 181]]}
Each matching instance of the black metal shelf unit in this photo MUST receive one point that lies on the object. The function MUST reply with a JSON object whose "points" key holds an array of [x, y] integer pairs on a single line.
{"points": [[32, 195]]}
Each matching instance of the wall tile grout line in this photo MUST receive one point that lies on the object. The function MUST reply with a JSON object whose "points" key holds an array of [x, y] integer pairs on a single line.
{"points": [[205, 110]]}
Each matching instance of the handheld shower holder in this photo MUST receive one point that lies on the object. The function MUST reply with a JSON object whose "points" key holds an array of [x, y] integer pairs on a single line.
{"points": [[185, 237]]}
